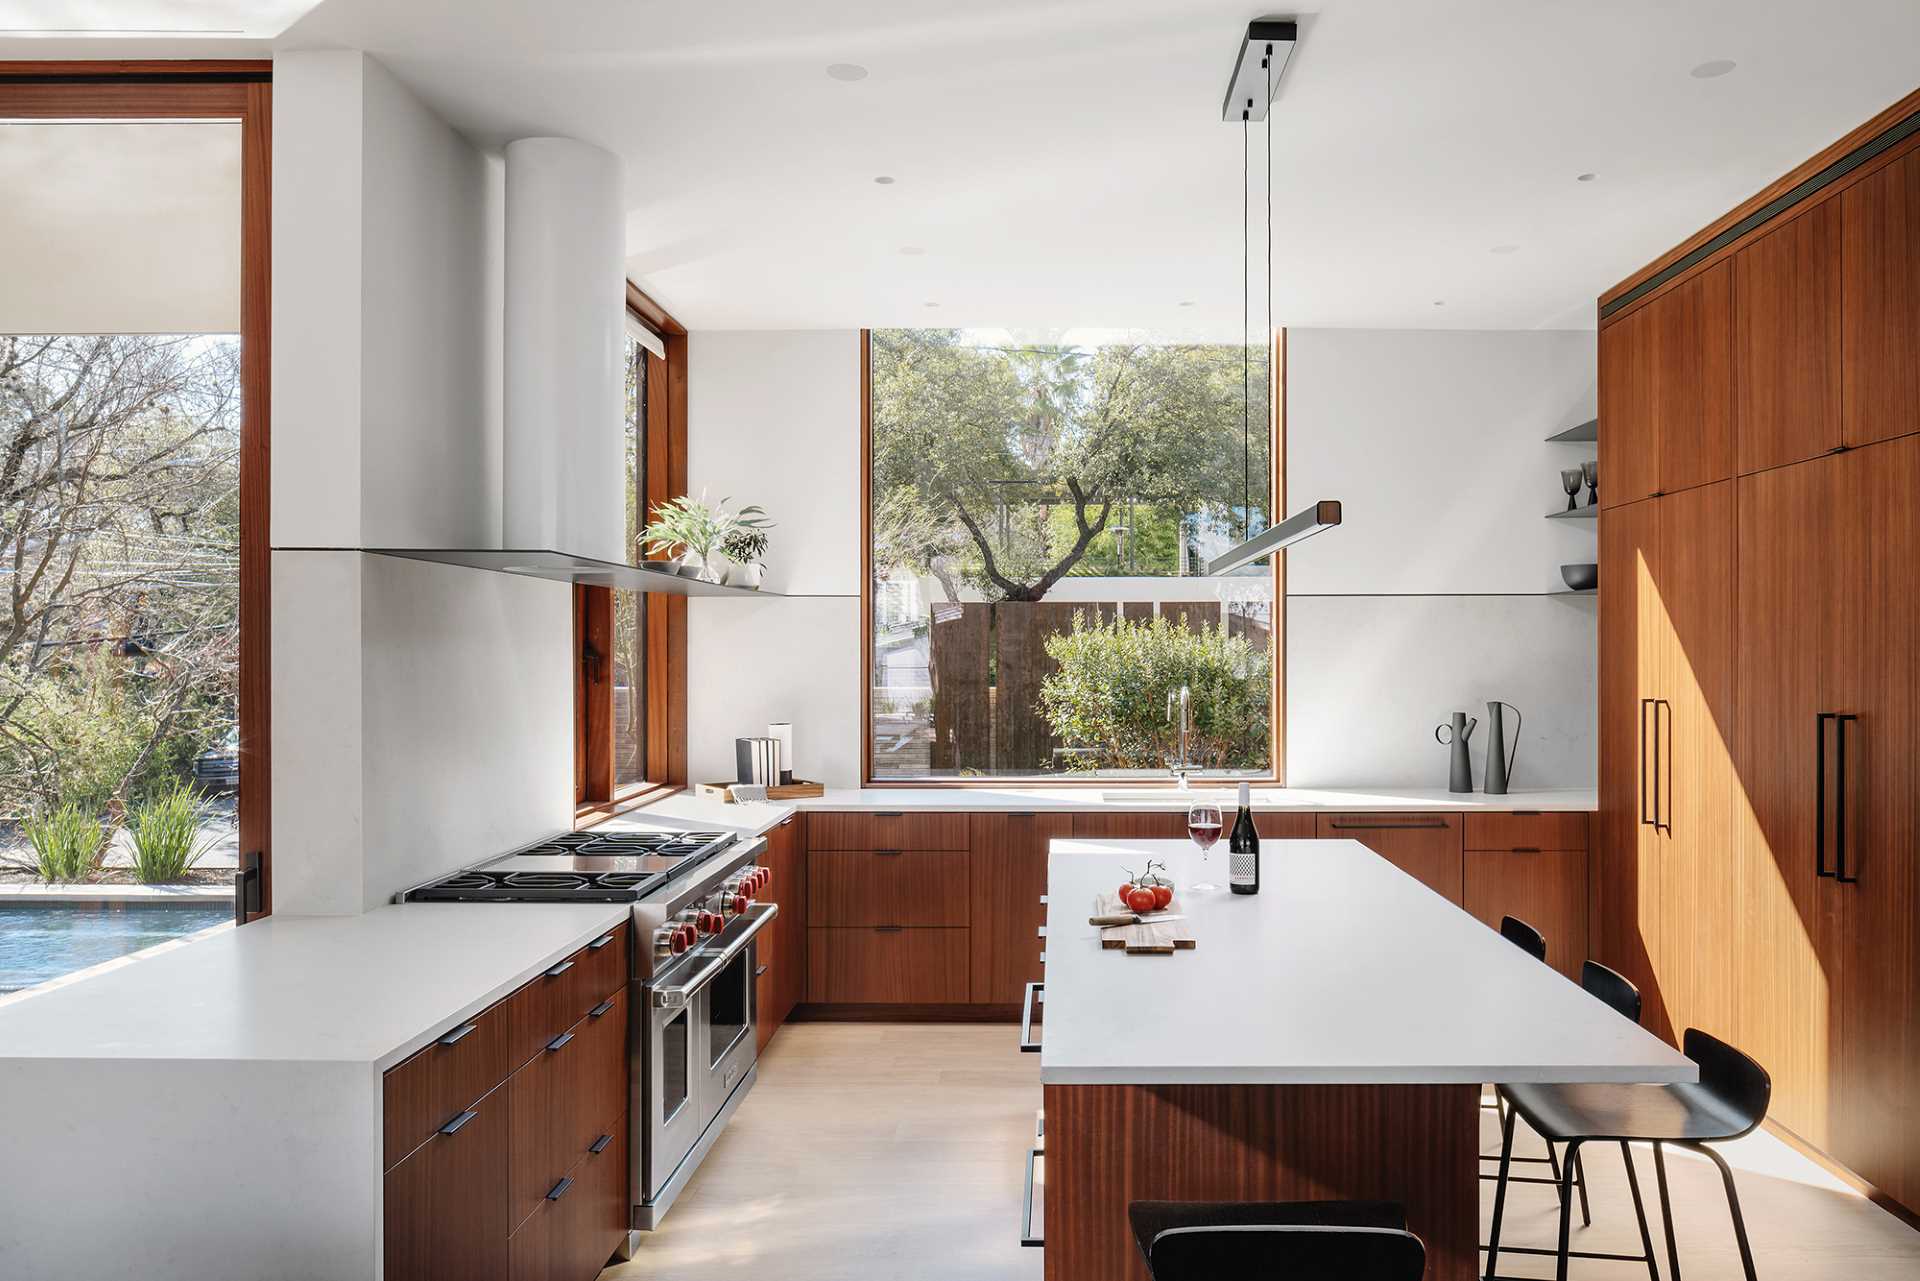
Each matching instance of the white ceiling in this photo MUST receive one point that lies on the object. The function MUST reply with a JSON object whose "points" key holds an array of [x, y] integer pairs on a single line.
{"points": [[1062, 162]]}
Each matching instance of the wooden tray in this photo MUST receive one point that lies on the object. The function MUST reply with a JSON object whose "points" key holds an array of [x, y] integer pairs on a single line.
{"points": [[797, 790], [1150, 937]]}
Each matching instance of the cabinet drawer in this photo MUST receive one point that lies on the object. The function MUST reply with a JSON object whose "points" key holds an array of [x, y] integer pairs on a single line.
{"points": [[445, 1206], [439, 1082], [571, 1236], [887, 966], [1126, 825], [556, 1000], [1546, 889], [887, 831], [887, 887], [1424, 846], [562, 1102], [1526, 831]]}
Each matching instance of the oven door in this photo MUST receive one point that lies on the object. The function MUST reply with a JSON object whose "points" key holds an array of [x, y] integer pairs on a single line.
{"points": [[731, 1017], [668, 1087]]}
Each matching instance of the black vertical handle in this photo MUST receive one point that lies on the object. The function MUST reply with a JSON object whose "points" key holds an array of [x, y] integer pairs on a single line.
{"points": [[1662, 814], [1820, 793], [1840, 800], [1644, 820]]}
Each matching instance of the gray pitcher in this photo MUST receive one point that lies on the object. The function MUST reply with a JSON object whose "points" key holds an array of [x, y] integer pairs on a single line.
{"points": [[1499, 760], [1460, 771]]}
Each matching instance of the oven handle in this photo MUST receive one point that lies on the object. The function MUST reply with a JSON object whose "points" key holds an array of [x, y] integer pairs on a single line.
{"points": [[666, 998]]}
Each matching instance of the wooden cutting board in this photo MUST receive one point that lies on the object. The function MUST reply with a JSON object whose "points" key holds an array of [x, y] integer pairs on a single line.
{"points": [[1150, 937]]}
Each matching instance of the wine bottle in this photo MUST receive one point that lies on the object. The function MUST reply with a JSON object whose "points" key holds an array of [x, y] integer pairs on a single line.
{"points": [[1243, 850]]}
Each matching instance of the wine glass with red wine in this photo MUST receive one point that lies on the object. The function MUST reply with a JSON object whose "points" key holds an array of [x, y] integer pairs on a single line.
{"points": [[1204, 821]]}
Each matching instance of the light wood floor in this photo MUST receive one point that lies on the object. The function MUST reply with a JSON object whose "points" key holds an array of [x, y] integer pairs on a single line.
{"points": [[881, 1151]]}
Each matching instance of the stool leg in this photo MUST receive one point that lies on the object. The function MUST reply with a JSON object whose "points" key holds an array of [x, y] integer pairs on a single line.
{"points": [[1639, 1212], [1566, 1208], [1733, 1207], [1553, 1168], [1580, 1182], [1500, 1190], [1666, 1209]]}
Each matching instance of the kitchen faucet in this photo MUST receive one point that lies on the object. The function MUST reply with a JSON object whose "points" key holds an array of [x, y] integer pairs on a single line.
{"points": [[1178, 766]]}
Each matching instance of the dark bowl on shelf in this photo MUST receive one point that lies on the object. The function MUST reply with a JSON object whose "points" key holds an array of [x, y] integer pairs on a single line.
{"points": [[1581, 578]]}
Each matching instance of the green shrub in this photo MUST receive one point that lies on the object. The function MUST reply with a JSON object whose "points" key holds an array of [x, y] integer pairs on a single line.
{"points": [[1110, 694], [167, 836], [67, 843]]}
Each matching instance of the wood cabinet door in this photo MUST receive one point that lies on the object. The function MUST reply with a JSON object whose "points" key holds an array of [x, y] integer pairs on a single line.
{"points": [[888, 966], [1424, 846], [1545, 888], [1786, 362], [1873, 637], [1009, 879], [1694, 722], [1880, 303], [1629, 427], [782, 948], [888, 887], [1122, 825], [446, 1204], [1692, 341], [1624, 882], [1785, 912]]}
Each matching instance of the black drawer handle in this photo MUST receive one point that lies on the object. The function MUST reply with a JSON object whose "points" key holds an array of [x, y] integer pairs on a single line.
{"points": [[888, 929], [599, 1145], [1526, 849], [457, 1122], [1388, 827], [889, 814], [559, 1042], [887, 853], [600, 942], [559, 1189], [600, 1009], [458, 1034], [559, 969]]}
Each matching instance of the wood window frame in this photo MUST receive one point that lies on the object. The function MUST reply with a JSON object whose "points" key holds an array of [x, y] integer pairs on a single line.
{"points": [[242, 91], [596, 795], [1276, 775]]}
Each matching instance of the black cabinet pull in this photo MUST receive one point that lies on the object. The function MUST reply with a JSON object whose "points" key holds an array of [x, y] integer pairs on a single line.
{"points": [[1820, 720], [457, 1034], [457, 1122], [1644, 820], [599, 1145], [1662, 814], [887, 853], [600, 942], [1840, 800], [600, 1009], [559, 1189], [559, 969], [889, 814], [1425, 825], [559, 1042], [888, 929], [1526, 849]]}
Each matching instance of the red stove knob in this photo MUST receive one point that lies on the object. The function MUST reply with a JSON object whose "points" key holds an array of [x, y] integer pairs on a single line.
{"points": [[679, 943], [739, 904], [687, 935]]}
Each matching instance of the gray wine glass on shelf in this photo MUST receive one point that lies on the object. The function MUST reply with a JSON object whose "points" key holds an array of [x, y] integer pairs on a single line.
{"points": [[1570, 478], [1591, 469]]}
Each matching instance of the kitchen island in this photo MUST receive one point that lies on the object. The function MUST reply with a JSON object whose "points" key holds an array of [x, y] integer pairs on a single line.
{"points": [[1325, 1039]]}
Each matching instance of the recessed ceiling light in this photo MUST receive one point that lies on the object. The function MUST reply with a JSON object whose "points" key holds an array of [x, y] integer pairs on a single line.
{"points": [[1708, 70], [1186, 304], [912, 251], [1439, 302], [1505, 249], [884, 180], [929, 304], [847, 71], [1585, 177]]}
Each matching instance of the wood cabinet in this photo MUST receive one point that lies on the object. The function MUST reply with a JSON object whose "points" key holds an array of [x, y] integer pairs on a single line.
{"points": [[1128, 825], [1528, 830], [1545, 888], [1666, 391], [887, 830], [887, 966], [475, 1199], [1425, 846], [781, 982], [1880, 303], [1009, 880], [1787, 341], [888, 887]]}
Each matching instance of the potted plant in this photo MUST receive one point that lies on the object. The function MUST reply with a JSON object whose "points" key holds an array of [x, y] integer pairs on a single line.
{"points": [[688, 528], [746, 547]]}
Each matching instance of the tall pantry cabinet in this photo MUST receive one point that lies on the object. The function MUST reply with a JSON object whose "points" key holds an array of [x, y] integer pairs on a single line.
{"points": [[1755, 869]]}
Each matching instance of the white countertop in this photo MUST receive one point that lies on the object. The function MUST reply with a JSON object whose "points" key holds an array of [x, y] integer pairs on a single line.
{"points": [[1343, 969], [367, 989]]}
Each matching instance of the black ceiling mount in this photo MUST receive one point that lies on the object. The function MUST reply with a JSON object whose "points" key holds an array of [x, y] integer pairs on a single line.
{"points": [[1251, 88]]}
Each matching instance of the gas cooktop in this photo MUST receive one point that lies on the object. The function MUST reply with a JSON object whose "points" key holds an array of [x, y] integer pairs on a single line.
{"points": [[579, 867]]}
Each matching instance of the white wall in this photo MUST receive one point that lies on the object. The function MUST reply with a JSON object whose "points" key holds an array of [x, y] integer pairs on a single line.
{"points": [[773, 417], [1435, 595], [422, 714]]}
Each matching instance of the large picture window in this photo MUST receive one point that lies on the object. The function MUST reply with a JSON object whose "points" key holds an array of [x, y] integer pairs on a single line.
{"points": [[1042, 509]]}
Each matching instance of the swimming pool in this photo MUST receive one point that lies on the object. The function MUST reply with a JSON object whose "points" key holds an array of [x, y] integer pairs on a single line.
{"points": [[41, 941]]}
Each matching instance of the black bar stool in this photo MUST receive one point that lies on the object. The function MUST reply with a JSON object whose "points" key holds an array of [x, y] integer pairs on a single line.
{"points": [[1534, 944], [1729, 1101], [1524, 936], [1300, 1240]]}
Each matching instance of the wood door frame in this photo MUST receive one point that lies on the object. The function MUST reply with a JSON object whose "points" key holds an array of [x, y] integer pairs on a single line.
{"points": [[1276, 775], [597, 796], [208, 90]]}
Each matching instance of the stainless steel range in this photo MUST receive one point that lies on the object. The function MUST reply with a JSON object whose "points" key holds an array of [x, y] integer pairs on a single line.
{"points": [[699, 899]]}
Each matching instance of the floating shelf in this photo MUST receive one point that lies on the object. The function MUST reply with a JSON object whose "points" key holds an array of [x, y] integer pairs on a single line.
{"points": [[1588, 430], [561, 567], [1578, 513]]}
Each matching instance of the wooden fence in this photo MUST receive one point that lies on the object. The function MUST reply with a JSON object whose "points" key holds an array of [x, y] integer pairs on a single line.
{"points": [[986, 663]]}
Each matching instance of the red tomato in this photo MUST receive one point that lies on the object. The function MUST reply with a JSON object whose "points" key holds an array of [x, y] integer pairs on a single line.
{"points": [[1126, 888], [1162, 895], [1140, 899]]}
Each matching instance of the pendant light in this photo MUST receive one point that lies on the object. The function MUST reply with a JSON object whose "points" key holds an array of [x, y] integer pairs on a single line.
{"points": [[1262, 58]]}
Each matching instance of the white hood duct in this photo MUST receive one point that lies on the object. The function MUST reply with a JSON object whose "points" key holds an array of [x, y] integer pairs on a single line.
{"points": [[565, 300]]}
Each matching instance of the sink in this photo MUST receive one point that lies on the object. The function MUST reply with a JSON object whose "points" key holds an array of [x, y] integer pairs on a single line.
{"points": [[1164, 796]]}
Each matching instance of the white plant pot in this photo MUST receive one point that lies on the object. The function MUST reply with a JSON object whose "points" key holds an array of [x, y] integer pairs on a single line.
{"points": [[749, 575]]}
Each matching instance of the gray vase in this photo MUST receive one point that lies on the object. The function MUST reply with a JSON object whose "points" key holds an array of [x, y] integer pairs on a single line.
{"points": [[1499, 760], [1460, 764]]}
